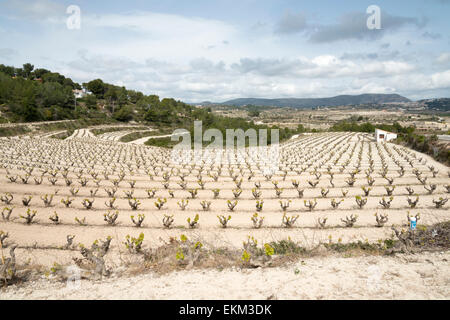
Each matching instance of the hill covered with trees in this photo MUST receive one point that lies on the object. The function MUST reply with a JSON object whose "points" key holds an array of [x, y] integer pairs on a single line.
{"points": [[441, 104], [29, 95]]}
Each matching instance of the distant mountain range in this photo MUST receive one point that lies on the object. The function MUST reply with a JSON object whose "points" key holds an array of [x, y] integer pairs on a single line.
{"points": [[374, 98], [317, 102]]}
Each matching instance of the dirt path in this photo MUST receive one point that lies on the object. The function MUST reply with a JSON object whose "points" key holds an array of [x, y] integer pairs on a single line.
{"points": [[145, 139], [116, 135], [17, 124]]}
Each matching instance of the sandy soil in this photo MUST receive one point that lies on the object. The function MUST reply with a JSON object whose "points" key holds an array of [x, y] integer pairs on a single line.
{"points": [[420, 276], [38, 242]]}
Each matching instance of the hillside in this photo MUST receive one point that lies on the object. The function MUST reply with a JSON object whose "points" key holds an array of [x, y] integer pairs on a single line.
{"points": [[30, 95], [36, 95], [441, 104], [316, 102]]}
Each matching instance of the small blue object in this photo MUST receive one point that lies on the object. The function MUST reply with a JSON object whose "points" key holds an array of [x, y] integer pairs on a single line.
{"points": [[413, 224]]}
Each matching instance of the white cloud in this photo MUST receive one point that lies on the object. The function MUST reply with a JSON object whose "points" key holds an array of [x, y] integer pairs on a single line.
{"points": [[441, 79], [197, 59], [324, 66], [443, 58], [205, 79]]}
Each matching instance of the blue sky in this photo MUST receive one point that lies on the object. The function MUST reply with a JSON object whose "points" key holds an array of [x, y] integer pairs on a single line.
{"points": [[217, 50]]}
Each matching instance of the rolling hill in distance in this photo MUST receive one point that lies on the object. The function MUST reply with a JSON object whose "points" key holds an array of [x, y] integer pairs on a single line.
{"points": [[374, 98]]}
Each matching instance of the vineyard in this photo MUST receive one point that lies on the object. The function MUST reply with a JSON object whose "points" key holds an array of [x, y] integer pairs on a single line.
{"points": [[59, 197]]}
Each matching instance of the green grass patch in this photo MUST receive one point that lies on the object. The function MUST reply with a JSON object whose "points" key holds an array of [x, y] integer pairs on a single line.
{"points": [[14, 131], [161, 142], [287, 246]]}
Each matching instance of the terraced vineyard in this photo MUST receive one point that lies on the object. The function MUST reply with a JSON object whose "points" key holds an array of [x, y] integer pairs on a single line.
{"points": [[340, 186], [115, 136]]}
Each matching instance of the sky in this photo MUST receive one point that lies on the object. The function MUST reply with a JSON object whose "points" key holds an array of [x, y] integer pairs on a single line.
{"points": [[205, 50]]}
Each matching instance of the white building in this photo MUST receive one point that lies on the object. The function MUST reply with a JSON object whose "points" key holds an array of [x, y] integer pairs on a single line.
{"points": [[80, 93], [381, 135]]}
